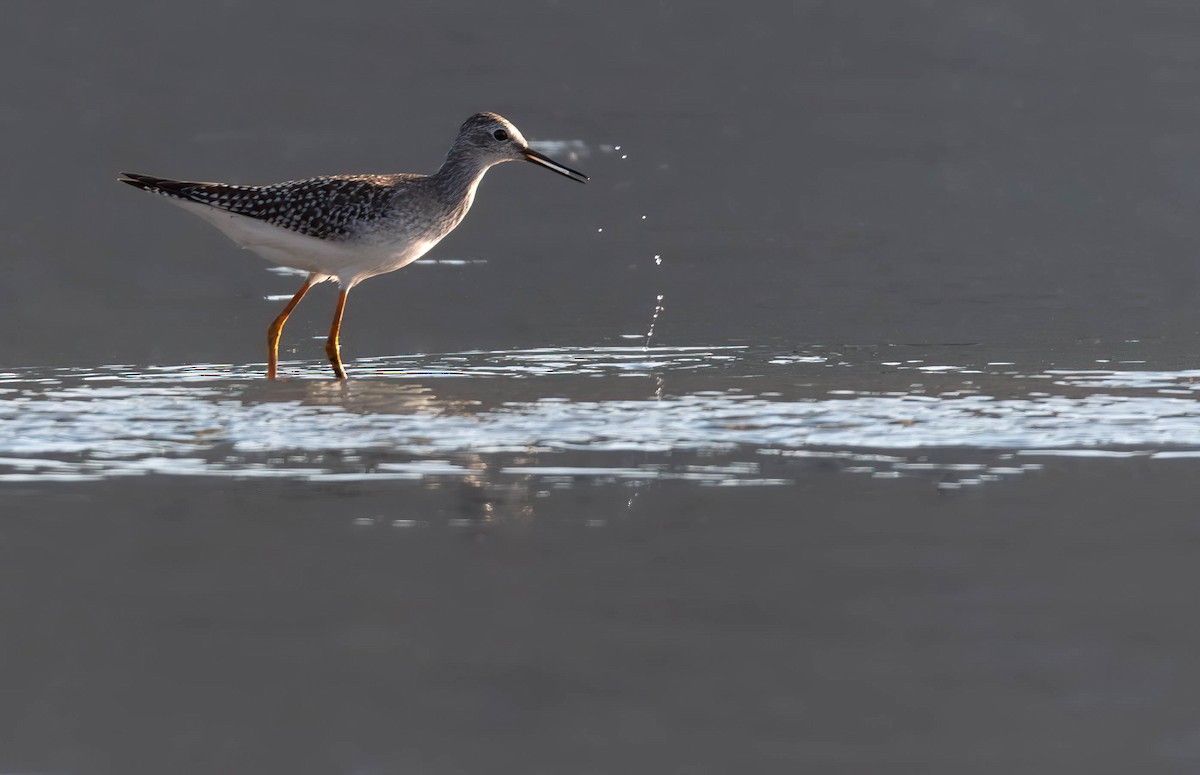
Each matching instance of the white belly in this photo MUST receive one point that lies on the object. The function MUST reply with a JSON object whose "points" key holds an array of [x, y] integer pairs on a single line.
{"points": [[349, 262]]}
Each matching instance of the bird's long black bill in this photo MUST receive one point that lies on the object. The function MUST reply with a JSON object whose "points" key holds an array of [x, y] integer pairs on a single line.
{"points": [[551, 164]]}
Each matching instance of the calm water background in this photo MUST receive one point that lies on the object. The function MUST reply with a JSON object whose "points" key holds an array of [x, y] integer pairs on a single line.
{"points": [[845, 422]]}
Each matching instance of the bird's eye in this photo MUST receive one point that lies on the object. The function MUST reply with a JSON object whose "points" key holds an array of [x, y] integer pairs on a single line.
{"points": [[500, 135]]}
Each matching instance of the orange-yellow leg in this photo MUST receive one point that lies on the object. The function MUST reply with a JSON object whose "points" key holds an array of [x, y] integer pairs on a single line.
{"points": [[277, 328], [332, 347]]}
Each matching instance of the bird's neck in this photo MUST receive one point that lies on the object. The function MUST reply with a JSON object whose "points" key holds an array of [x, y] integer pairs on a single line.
{"points": [[459, 176]]}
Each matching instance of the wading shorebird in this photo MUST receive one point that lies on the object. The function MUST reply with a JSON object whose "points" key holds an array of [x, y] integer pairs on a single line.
{"points": [[351, 227]]}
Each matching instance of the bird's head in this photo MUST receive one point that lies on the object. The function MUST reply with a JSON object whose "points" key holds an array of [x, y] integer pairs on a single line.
{"points": [[493, 139]]}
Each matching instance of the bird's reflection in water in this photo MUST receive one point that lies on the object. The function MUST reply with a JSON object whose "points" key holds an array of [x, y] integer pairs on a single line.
{"points": [[366, 397], [485, 499], [482, 495]]}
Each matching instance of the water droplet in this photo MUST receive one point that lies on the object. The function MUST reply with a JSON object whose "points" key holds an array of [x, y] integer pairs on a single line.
{"points": [[658, 308]]}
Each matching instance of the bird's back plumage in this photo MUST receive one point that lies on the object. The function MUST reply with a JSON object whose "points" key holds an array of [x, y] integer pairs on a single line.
{"points": [[328, 208]]}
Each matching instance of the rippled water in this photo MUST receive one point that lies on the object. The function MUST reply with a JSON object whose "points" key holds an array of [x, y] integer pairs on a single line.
{"points": [[711, 415]]}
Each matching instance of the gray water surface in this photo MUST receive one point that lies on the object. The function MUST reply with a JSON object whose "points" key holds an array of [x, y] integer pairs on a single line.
{"points": [[413, 416], [499, 414], [845, 421]]}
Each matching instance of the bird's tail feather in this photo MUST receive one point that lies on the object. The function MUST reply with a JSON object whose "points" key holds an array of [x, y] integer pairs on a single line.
{"points": [[156, 185]]}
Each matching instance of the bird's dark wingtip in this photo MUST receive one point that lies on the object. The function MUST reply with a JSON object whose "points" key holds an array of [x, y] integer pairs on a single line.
{"points": [[155, 185], [136, 180]]}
